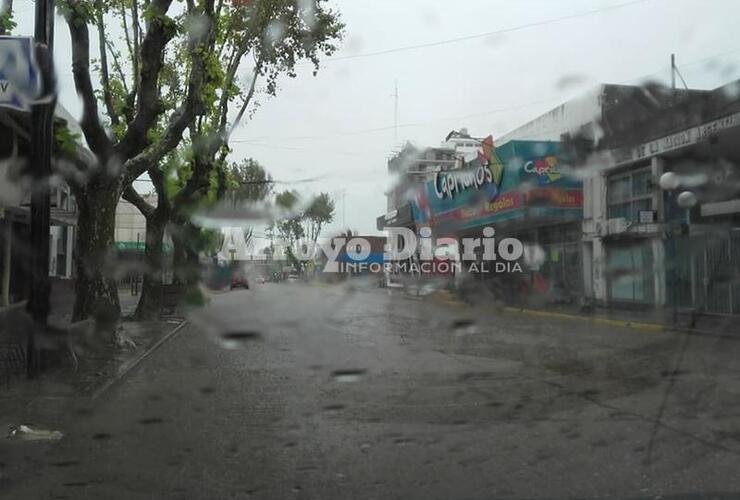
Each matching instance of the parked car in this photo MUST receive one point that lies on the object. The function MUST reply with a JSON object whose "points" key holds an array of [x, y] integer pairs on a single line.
{"points": [[293, 278], [239, 281]]}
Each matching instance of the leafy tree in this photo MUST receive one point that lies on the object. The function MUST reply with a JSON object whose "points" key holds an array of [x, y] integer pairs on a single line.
{"points": [[172, 97], [7, 24], [319, 212], [290, 229], [248, 181], [301, 223]]}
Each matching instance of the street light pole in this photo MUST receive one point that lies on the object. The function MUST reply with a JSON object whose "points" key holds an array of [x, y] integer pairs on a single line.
{"points": [[671, 182], [42, 117]]}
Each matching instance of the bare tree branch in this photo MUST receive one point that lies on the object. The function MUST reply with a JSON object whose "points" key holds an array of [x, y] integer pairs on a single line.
{"points": [[179, 121], [117, 67], [157, 176], [104, 76], [181, 118], [94, 132], [132, 196], [247, 101], [235, 57], [148, 106], [136, 28], [127, 37]]}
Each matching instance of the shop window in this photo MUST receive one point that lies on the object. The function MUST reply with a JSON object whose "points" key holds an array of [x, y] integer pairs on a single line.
{"points": [[630, 273], [629, 193]]}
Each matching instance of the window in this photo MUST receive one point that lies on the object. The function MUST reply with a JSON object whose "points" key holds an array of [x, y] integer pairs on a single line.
{"points": [[629, 193]]}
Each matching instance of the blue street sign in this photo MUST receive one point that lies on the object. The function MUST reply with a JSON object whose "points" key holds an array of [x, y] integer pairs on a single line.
{"points": [[20, 78]]}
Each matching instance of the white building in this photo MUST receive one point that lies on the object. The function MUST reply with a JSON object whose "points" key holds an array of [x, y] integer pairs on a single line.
{"points": [[238, 245], [623, 138], [15, 201], [464, 145], [130, 224]]}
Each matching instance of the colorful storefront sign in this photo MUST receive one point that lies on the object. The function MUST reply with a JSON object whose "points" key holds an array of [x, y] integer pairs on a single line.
{"points": [[519, 180]]}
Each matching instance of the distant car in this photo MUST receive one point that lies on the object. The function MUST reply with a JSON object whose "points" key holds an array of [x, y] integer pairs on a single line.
{"points": [[239, 281], [292, 278]]}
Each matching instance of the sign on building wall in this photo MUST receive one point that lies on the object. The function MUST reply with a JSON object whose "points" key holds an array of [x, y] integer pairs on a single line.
{"points": [[688, 137], [520, 179], [20, 78]]}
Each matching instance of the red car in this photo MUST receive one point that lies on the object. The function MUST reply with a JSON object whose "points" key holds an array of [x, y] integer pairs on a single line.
{"points": [[239, 281]]}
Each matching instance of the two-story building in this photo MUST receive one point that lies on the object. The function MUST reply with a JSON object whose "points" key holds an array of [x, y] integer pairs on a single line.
{"points": [[15, 209]]}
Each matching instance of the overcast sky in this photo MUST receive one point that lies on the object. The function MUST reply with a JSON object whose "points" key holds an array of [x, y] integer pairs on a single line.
{"points": [[327, 125]]}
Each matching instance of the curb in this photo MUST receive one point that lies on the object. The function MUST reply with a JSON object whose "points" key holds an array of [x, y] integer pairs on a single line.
{"points": [[132, 363], [635, 325], [643, 326]]}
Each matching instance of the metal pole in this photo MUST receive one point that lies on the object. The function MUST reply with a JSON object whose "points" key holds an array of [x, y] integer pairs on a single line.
{"points": [[40, 160], [395, 114], [7, 249], [673, 258]]}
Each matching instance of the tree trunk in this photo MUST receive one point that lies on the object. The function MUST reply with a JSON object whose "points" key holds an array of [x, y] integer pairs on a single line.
{"points": [[179, 259], [150, 302], [96, 290], [186, 263]]}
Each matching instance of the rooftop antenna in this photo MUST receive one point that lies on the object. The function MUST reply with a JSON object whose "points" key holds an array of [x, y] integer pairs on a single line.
{"points": [[395, 113], [674, 72]]}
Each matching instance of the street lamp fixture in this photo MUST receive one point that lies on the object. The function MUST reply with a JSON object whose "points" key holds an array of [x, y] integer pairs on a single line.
{"points": [[670, 182]]}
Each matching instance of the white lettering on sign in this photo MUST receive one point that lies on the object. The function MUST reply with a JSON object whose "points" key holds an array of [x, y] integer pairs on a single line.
{"points": [[19, 74], [678, 140], [449, 184]]}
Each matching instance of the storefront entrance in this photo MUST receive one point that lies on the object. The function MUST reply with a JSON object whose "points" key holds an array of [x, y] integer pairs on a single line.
{"points": [[630, 273]]}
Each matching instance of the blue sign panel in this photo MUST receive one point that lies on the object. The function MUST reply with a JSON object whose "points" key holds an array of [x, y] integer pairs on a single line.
{"points": [[517, 180], [20, 78]]}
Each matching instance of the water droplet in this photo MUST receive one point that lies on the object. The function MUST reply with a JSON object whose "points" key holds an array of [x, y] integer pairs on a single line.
{"points": [[150, 420], [237, 340], [347, 376]]}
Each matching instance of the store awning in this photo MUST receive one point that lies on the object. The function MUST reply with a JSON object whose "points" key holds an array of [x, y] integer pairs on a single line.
{"points": [[138, 246]]}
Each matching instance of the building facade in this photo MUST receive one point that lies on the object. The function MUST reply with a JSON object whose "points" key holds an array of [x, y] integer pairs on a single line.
{"points": [[640, 247], [15, 209]]}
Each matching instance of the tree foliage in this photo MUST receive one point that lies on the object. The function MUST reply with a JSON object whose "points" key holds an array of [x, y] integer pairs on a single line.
{"points": [[318, 213], [7, 23], [173, 88], [301, 223], [247, 180]]}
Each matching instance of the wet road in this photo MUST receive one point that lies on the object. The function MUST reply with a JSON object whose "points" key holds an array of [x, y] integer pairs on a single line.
{"points": [[293, 391]]}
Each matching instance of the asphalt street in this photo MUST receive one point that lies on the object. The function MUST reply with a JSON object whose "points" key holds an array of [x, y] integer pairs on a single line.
{"points": [[298, 391]]}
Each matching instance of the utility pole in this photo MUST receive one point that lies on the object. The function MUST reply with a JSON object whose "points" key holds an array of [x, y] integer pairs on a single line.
{"points": [[673, 73], [395, 114], [42, 118]]}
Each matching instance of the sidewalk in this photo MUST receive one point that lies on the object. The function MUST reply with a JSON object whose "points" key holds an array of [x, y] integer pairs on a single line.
{"points": [[62, 301], [46, 401], [645, 320]]}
